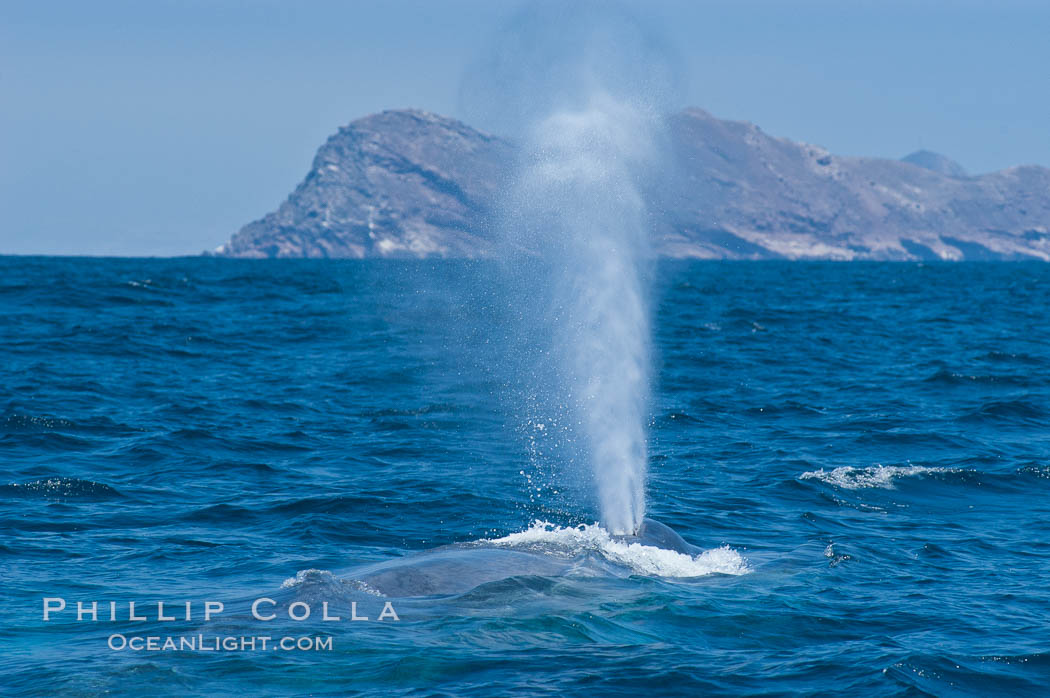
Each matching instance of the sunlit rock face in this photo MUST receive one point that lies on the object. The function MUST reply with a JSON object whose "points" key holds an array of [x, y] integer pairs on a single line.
{"points": [[394, 184], [413, 184]]}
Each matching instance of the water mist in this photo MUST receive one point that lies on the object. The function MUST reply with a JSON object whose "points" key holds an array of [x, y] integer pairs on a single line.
{"points": [[578, 190], [578, 89]]}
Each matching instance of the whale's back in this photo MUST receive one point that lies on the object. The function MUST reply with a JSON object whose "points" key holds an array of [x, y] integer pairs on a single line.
{"points": [[657, 535]]}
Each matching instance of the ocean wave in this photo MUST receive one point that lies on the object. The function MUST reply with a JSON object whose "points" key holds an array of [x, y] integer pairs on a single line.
{"points": [[1006, 410], [643, 559], [60, 488], [879, 476], [1035, 470]]}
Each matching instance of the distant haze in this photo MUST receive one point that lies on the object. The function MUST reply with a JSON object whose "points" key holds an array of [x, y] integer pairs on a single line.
{"points": [[159, 128]]}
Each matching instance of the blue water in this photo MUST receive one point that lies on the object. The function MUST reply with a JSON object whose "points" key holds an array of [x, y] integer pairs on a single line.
{"points": [[870, 441]]}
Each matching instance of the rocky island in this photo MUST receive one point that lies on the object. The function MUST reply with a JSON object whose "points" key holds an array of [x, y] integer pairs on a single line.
{"points": [[407, 183]]}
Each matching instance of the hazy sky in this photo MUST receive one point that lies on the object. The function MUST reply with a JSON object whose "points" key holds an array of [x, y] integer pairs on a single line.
{"points": [[160, 127]]}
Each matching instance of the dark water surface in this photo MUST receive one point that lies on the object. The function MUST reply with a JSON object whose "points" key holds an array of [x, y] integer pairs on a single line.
{"points": [[872, 439]]}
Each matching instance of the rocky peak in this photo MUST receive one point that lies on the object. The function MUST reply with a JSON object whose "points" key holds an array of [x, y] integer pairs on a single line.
{"points": [[935, 162]]}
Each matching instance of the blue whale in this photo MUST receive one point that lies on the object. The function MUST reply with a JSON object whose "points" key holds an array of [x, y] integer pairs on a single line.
{"points": [[461, 567]]}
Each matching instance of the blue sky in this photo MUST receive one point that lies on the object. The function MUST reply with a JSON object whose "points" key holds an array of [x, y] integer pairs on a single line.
{"points": [[161, 127]]}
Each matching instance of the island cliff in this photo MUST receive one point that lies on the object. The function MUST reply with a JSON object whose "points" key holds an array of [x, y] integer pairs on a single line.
{"points": [[413, 184]]}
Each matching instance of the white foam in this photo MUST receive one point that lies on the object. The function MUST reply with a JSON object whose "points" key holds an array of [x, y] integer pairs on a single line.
{"points": [[311, 575], [881, 476], [316, 576], [642, 559]]}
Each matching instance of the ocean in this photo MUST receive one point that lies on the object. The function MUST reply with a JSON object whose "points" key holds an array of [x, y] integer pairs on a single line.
{"points": [[859, 452]]}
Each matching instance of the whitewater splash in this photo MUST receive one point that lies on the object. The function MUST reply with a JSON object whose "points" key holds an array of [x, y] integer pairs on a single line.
{"points": [[578, 204], [640, 558], [878, 476], [543, 550]]}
